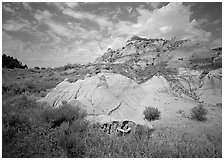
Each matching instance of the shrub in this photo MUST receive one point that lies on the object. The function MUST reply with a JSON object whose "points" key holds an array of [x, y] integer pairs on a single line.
{"points": [[64, 113], [30, 129], [199, 113], [151, 113]]}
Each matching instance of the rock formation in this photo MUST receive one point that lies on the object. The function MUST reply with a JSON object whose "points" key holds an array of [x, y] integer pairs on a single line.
{"points": [[168, 74], [112, 97]]}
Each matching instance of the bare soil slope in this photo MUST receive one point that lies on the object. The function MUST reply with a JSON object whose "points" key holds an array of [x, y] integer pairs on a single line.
{"points": [[105, 94]]}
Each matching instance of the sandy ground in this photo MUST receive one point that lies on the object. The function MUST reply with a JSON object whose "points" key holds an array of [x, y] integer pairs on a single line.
{"points": [[175, 124]]}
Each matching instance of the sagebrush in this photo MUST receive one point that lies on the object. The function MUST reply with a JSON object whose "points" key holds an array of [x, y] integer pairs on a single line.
{"points": [[199, 113], [151, 113]]}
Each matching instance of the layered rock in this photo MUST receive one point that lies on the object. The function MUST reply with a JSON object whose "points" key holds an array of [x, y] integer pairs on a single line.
{"points": [[173, 52]]}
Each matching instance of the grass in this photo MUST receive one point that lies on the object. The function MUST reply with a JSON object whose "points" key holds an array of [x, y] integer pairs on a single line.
{"points": [[33, 130], [30, 129]]}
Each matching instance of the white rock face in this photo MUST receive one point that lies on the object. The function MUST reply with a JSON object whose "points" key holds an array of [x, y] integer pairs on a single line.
{"points": [[211, 87], [109, 97], [105, 94]]}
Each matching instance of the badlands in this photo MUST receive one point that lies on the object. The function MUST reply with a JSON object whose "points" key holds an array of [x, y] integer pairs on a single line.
{"points": [[171, 75], [41, 106]]}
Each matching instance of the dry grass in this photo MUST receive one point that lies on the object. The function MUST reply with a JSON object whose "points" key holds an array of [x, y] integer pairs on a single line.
{"points": [[26, 132]]}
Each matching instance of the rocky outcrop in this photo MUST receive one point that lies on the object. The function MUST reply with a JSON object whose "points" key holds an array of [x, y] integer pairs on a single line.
{"points": [[210, 90], [105, 94], [172, 52]]}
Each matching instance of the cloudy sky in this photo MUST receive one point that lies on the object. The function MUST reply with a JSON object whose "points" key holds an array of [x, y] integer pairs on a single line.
{"points": [[55, 34]]}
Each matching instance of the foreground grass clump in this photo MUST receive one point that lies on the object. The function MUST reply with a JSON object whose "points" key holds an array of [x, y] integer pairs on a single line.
{"points": [[102, 145], [151, 113], [33, 130], [199, 113], [30, 129]]}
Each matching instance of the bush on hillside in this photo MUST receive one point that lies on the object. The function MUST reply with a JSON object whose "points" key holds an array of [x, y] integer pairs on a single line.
{"points": [[64, 113], [10, 62], [199, 113], [151, 113]]}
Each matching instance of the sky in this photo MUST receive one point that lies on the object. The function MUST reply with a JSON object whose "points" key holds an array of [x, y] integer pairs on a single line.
{"points": [[52, 34]]}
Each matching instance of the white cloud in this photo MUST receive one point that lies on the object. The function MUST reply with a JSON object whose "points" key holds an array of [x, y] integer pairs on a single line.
{"points": [[15, 25], [101, 21], [19, 49], [172, 20], [62, 5], [71, 4], [10, 43], [27, 6], [8, 9], [166, 29], [216, 21], [112, 42], [216, 43], [59, 29], [42, 15], [202, 21]]}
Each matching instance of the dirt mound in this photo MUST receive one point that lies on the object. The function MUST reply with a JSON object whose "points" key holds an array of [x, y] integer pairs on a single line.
{"points": [[107, 94], [189, 84], [210, 90]]}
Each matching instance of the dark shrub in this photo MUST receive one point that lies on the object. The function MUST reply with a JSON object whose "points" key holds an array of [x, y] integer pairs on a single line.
{"points": [[71, 128], [151, 113], [64, 113], [10, 62], [199, 113], [30, 129]]}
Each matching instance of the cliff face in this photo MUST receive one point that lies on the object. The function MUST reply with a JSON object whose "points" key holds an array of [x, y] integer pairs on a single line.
{"points": [[173, 53]]}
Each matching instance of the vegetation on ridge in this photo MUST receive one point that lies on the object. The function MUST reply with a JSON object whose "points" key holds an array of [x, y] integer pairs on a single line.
{"points": [[10, 62]]}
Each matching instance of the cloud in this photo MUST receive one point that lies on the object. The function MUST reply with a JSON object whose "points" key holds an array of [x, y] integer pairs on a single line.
{"points": [[43, 15], [154, 5], [172, 20], [62, 5], [27, 6], [70, 35], [216, 21], [113, 42], [216, 43], [8, 9], [101, 21], [59, 29], [15, 25], [71, 4], [202, 21], [19, 49], [10, 43], [66, 29]]}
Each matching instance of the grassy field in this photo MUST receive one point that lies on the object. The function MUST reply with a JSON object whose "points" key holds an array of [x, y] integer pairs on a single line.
{"points": [[30, 129]]}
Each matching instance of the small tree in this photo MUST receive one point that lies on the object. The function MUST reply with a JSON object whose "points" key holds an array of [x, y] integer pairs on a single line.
{"points": [[151, 113], [199, 113]]}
